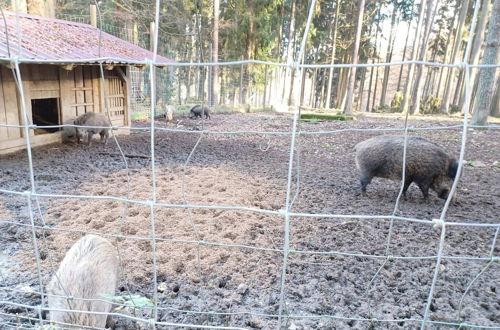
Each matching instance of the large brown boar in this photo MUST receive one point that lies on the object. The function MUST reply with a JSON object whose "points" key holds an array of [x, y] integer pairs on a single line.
{"points": [[427, 163], [89, 269], [92, 119]]}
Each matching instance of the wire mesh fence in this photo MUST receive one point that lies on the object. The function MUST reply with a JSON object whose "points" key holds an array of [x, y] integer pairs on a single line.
{"points": [[143, 209]]}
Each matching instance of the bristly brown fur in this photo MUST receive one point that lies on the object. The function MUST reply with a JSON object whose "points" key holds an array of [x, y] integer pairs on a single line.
{"points": [[89, 269], [427, 163]]}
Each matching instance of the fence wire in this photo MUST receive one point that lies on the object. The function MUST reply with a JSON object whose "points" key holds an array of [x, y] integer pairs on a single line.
{"points": [[285, 213]]}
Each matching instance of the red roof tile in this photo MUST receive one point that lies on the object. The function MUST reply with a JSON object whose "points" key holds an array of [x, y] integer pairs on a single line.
{"points": [[53, 39]]}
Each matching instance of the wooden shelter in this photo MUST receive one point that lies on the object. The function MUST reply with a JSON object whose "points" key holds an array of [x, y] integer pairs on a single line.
{"points": [[62, 79]]}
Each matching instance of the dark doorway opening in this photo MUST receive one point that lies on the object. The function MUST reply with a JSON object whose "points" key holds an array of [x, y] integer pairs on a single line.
{"points": [[45, 112]]}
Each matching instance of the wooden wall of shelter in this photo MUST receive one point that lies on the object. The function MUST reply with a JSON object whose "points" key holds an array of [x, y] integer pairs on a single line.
{"points": [[77, 90]]}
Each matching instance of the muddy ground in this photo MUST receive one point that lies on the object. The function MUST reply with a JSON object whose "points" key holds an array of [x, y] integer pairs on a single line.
{"points": [[238, 270]]}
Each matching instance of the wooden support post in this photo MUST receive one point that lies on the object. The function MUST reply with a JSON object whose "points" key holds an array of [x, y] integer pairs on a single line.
{"points": [[264, 101], [241, 83], [152, 36], [124, 75], [93, 15]]}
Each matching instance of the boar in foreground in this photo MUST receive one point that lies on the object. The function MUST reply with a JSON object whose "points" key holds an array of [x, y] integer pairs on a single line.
{"points": [[92, 119], [427, 163], [198, 111], [89, 269]]}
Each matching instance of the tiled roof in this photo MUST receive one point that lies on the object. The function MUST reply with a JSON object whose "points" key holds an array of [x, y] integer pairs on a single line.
{"points": [[57, 40]]}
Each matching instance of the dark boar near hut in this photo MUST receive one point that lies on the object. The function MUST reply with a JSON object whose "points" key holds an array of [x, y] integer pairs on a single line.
{"points": [[92, 119], [198, 111]]}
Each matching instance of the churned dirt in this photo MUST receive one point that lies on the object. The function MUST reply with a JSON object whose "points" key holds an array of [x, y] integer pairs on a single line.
{"points": [[236, 266]]}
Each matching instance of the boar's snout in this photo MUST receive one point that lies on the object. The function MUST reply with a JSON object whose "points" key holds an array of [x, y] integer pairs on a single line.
{"points": [[443, 193]]}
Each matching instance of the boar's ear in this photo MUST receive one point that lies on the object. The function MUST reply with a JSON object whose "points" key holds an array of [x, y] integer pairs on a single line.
{"points": [[452, 171]]}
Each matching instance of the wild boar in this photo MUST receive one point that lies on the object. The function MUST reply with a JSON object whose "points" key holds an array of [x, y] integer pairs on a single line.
{"points": [[427, 163], [92, 119], [68, 132], [89, 269], [198, 111]]}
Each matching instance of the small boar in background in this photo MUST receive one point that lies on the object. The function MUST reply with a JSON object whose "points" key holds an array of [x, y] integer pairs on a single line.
{"points": [[198, 111], [90, 268], [92, 119], [427, 163]]}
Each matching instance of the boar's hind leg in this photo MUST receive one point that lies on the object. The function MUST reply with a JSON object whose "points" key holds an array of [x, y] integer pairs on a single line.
{"points": [[89, 137], [365, 181], [424, 188], [104, 136], [407, 184]]}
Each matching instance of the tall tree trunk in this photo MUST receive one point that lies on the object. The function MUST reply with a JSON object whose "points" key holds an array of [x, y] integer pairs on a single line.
{"points": [[458, 38], [387, 69], [352, 79], [277, 50], [363, 77], [495, 103], [248, 53], [362, 88], [45, 8], [478, 41], [266, 74], [406, 95], [404, 56], [458, 89], [302, 88], [417, 87], [313, 87], [374, 56], [370, 87], [292, 78], [443, 70], [214, 88], [341, 98], [289, 48], [376, 84], [332, 61], [487, 76], [431, 76]]}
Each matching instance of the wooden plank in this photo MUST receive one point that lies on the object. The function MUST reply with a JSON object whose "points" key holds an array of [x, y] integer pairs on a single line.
{"points": [[126, 91], [44, 94], [81, 104], [87, 82], [82, 89], [49, 72], [80, 95], [11, 104], [36, 140], [35, 72], [96, 89], [4, 135], [26, 83], [66, 83], [48, 85], [10, 146]]}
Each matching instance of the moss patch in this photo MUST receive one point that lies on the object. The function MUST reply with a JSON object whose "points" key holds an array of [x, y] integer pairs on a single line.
{"points": [[322, 116]]}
